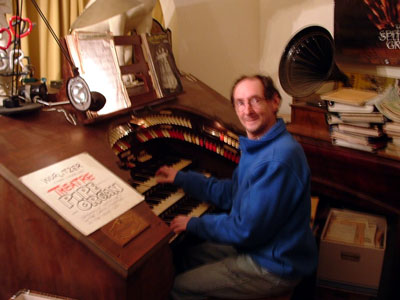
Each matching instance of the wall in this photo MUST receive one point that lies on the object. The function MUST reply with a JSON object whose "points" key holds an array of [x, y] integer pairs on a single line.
{"points": [[279, 21], [215, 40], [219, 40]]}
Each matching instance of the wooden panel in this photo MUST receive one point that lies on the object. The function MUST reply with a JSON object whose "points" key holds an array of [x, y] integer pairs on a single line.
{"points": [[39, 254], [363, 178], [353, 179], [359, 177], [42, 252], [309, 121]]}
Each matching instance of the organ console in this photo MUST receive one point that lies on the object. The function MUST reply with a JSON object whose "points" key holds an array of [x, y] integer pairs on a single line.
{"points": [[42, 252], [196, 130], [177, 138]]}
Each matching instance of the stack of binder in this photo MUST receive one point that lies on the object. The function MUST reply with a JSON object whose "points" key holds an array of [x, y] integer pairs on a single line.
{"points": [[354, 120], [392, 130]]}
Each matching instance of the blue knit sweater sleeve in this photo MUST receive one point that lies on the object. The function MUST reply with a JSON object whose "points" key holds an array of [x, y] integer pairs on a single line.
{"points": [[206, 189], [254, 222]]}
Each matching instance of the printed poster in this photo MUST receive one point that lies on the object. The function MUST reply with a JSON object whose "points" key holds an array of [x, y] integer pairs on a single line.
{"points": [[83, 192], [367, 31]]}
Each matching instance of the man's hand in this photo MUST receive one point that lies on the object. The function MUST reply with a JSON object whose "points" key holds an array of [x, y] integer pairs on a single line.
{"points": [[179, 223], [166, 174]]}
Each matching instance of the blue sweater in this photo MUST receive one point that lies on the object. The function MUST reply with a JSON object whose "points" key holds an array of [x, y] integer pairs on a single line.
{"points": [[268, 204]]}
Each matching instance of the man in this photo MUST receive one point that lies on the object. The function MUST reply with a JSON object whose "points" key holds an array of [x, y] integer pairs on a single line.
{"points": [[263, 245]]}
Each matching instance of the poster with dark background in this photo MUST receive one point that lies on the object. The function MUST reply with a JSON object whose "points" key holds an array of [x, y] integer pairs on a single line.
{"points": [[367, 31]]}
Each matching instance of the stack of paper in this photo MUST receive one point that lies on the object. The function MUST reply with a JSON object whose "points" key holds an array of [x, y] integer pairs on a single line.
{"points": [[392, 130], [351, 228], [354, 121]]}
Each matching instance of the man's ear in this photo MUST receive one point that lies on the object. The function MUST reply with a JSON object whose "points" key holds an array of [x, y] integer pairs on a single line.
{"points": [[277, 102]]}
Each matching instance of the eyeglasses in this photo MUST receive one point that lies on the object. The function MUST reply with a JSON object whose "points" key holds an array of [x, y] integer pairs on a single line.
{"points": [[254, 102]]}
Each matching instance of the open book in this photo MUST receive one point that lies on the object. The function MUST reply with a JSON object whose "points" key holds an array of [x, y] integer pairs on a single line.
{"points": [[95, 56]]}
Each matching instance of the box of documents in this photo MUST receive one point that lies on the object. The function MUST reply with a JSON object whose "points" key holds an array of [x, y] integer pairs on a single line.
{"points": [[352, 250], [26, 294]]}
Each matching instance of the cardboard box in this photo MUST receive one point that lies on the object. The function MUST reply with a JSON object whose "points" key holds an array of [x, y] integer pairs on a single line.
{"points": [[348, 259], [26, 294]]}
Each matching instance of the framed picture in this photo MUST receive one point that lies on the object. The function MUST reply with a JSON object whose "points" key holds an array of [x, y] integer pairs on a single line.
{"points": [[367, 31]]}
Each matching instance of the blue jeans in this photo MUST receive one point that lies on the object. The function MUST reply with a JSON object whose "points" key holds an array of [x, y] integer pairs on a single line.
{"points": [[212, 270]]}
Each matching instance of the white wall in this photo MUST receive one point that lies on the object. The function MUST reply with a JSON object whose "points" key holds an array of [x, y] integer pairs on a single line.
{"points": [[215, 40], [219, 40], [279, 21]]}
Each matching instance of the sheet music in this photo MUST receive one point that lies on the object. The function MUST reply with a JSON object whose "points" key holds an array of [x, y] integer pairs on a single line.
{"points": [[351, 228], [83, 192], [94, 54]]}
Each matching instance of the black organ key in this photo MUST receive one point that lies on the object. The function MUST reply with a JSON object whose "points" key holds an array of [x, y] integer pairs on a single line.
{"points": [[166, 200], [140, 178]]}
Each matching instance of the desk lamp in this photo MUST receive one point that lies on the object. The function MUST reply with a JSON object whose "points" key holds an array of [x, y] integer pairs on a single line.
{"points": [[78, 92]]}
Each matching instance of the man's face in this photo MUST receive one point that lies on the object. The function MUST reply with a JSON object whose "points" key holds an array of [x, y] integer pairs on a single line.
{"points": [[256, 113]]}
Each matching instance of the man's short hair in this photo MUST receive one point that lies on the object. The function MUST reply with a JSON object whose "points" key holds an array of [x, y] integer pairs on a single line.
{"points": [[269, 87]]}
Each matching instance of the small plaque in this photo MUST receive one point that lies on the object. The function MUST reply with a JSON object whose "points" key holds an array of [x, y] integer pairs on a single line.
{"points": [[125, 227]]}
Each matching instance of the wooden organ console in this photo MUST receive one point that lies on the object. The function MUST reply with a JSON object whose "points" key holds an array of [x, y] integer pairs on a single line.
{"points": [[198, 130], [40, 251], [177, 138]]}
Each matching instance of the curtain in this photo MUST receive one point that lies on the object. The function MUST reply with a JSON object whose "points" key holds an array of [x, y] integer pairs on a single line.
{"points": [[158, 14], [43, 51]]}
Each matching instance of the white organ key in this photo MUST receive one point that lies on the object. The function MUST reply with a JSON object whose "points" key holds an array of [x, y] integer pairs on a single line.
{"points": [[167, 202], [199, 210], [148, 184], [196, 212]]}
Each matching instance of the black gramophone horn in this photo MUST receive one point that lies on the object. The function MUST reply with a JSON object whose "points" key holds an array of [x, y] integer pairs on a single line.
{"points": [[308, 62]]}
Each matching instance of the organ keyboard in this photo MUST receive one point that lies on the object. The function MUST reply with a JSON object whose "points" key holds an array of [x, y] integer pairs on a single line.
{"points": [[177, 138], [143, 179], [188, 128]]}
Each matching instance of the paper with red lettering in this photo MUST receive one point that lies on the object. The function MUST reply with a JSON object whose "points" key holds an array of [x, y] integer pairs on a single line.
{"points": [[83, 192]]}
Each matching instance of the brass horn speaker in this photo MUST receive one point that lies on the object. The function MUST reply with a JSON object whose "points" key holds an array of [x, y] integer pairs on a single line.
{"points": [[308, 62]]}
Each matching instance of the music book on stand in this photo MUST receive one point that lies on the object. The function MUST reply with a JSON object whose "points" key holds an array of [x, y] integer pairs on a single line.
{"points": [[95, 56], [163, 70]]}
